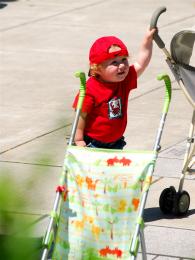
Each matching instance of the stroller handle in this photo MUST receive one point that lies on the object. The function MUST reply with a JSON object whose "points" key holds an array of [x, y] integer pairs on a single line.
{"points": [[153, 24], [82, 88], [168, 92]]}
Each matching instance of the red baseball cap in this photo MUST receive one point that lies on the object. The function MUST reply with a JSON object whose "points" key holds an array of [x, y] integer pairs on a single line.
{"points": [[99, 51]]}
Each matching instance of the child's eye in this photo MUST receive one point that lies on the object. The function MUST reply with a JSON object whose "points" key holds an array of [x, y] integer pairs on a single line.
{"points": [[124, 60], [114, 63]]}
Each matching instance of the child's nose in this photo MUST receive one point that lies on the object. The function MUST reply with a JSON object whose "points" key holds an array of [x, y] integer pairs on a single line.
{"points": [[121, 65]]}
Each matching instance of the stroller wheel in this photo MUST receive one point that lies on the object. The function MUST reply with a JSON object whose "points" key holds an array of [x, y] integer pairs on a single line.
{"points": [[182, 203], [166, 201]]}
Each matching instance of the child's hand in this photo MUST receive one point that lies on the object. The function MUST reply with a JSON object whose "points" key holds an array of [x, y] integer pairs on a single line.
{"points": [[149, 35], [80, 143], [80, 129], [145, 52]]}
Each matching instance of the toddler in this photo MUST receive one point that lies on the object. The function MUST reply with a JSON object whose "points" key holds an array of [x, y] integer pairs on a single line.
{"points": [[103, 118]]}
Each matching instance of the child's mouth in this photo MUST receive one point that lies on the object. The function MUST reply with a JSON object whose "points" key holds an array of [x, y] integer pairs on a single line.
{"points": [[121, 73]]}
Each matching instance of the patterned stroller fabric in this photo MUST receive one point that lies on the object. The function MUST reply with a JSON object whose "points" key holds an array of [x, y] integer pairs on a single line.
{"points": [[99, 210]]}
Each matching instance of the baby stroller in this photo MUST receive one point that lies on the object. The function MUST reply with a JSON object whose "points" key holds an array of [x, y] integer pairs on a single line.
{"points": [[98, 210], [100, 200], [180, 61]]}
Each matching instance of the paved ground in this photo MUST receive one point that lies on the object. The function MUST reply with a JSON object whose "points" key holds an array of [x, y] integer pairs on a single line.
{"points": [[42, 44]]}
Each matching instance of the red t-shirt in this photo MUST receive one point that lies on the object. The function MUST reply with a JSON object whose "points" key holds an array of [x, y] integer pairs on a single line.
{"points": [[106, 106]]}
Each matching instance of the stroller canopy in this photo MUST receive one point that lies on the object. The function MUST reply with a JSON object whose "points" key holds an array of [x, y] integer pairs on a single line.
{"points": [[182, 49], [182, 53]]}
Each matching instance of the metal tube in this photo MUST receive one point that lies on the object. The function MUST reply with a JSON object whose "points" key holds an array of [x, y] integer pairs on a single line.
{"points": [[50, 227], [156, 148], [143, 245], [188, 154], [159, 133], [140, 213], [74, 127], [166, 52]]}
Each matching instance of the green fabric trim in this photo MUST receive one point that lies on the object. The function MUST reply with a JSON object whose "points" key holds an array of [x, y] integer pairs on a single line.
{"points": [[148, 179], [55, 216], [135, 250], [50, 240], [140, 221], [112, 150]]}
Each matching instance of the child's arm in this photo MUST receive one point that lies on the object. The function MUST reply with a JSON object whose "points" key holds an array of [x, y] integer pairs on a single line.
{"points": [[145, 53], [80, 130]]}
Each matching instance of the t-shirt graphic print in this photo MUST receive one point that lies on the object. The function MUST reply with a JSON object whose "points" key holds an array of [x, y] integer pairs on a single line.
{"points": [[114, 108]]}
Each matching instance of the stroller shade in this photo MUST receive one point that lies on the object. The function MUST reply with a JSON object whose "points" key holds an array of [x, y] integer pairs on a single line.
{"points": [[182, 53], [182, 49]]}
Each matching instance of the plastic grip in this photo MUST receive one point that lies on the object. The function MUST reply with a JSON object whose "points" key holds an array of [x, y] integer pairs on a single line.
{"points": [[82, 88], [168, 92], [153, 24]]}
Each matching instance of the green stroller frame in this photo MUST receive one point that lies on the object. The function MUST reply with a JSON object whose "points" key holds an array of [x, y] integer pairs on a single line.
{"points": [[52, 234]]}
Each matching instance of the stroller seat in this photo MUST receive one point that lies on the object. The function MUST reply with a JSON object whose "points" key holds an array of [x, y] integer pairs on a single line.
{"points": [[103, 194], [184, 68], [183, 55]]}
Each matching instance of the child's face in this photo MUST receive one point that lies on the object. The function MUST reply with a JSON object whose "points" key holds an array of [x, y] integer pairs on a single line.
{"points": [[114, 70]]}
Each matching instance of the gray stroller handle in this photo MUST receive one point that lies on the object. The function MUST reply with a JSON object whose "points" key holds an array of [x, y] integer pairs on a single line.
{"points": [[153, 24]]}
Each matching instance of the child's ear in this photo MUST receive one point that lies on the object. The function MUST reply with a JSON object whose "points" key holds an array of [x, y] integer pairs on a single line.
{"points": [[92, 73], [93, 70]]}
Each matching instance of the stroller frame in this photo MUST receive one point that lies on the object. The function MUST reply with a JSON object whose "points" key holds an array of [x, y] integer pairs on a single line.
{"points": [[172, 201], [138, 235]]}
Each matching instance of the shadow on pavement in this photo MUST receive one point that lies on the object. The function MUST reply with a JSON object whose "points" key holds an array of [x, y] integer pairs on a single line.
{"points": [[3, 3], [152, 214]]}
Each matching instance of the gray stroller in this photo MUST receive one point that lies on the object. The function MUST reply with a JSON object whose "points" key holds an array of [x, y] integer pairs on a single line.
{"points": [[180, 61]]}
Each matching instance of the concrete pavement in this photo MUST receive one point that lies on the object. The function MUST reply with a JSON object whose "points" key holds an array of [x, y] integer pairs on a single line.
{"points": [[42, 44]]}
